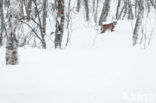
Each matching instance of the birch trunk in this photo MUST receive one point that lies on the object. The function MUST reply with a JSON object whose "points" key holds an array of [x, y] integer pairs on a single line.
{"points": [[138, 22], [44, 16], [136, 8], [78, 5], [105, 11], [125, 8], [96, 11], [28, 6], [118, 8], [59, 23], [86, 9], [130, 11], [12, 43], [2, 22]]}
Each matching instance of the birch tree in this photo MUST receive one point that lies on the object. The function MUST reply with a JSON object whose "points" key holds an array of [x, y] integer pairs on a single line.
{"points": [[105, 11], [41, 26], [130, 11], [118, 9], [138, 22], [59, 23], [44, 16], [78, 5], [96, 11], [12, 43], [86, 9], [2, 21], [28, 7], [136, 8]]}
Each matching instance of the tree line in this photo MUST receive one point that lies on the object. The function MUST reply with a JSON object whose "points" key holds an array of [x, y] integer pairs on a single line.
{"points": [[34, 13]]}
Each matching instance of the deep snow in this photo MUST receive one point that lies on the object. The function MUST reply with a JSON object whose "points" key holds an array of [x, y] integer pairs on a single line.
{"points": [[102, 68]]}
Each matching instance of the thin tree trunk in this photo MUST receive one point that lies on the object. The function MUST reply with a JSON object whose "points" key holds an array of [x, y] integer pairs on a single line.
{"points": [[22, 11], [125, 9], [2, 21], [94, 6], [118, 8], [138, 22], [86, 9], [136, 8], [130, 11], [96, 11], [68, 18], [78, 5], [59, 23], [148, 6], [44, 18]]}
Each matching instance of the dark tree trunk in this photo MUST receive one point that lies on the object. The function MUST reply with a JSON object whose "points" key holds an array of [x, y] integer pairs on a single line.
{"points": [[105, 11], [86, 9], [44, 16], [130, 11], [118, 8], [59, 23], [78, 5], [2, 22], [136, 8], [125, 9], [138, 22]]}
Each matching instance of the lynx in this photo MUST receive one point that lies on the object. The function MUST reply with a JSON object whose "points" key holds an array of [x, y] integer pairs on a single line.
{"points": [[110, 26]]}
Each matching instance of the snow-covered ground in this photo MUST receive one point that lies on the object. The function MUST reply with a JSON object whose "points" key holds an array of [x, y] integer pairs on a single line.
{"points": [[102, 68]]}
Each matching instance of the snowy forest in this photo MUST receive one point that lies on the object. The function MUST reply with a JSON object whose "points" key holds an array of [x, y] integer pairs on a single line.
{"points": [[77, 51], [39, 23]]}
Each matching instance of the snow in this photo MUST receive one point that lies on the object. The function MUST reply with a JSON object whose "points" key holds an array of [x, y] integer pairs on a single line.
{"points": [[94, 68], [108, 22]]}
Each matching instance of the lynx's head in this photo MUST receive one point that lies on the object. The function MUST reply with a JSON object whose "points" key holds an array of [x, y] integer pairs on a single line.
{"points": [[114, 23]]}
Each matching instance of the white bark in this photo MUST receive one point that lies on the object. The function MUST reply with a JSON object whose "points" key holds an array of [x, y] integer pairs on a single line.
{"points": [[2, 22], [12, 43], [138, 22], [59, 23], [105, 11]]}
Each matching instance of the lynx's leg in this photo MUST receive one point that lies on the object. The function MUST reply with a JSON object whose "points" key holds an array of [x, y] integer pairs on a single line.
{"points": [[112, 28], [102, 29]]}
